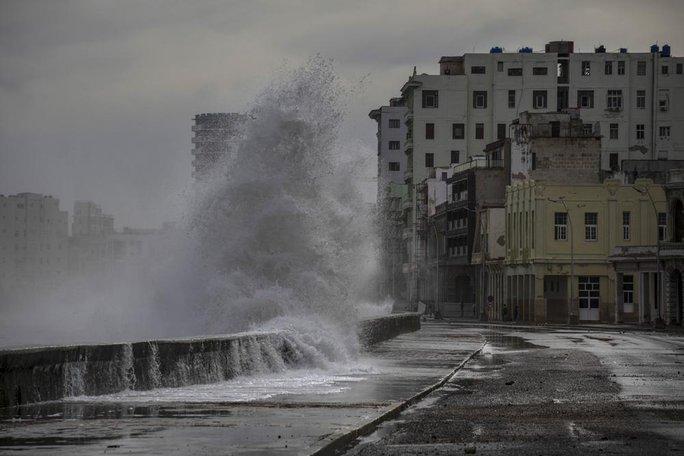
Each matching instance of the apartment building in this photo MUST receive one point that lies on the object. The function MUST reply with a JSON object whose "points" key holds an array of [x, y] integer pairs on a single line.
{"points": [[212, 133], [630, 101], [33, 241], [391, 133]]}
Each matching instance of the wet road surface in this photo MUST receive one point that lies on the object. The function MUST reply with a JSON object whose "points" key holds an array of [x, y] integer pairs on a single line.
{"points": [[248, 416], [550, 392]]}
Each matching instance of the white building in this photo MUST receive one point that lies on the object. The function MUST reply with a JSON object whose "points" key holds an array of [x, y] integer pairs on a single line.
{"points": [[33, 241], [391, 135], [634, 101], [89, 232]]}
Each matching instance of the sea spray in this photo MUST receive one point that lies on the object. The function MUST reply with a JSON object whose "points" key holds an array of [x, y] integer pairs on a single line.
{"points": [[278, 237]]}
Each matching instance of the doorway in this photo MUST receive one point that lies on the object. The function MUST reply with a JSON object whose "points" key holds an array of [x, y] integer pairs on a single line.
{"points": [[589, 298]]}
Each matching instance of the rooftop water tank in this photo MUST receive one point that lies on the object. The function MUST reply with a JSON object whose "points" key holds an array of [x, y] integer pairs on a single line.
{"points": [[623, 50], [496, 50], [654, 48], [600, 50], [666, 51], [525, 50]]}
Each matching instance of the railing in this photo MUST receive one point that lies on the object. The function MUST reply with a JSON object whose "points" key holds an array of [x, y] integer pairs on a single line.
{"points": [[456, 197], [478, 161]]}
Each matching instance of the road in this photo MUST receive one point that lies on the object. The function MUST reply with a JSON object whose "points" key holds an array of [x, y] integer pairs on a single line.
{"points": [[529, 391], [542, 392]]}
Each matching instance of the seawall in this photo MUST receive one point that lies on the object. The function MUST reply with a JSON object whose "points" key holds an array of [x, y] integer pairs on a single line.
{"points": [[51, 373]]}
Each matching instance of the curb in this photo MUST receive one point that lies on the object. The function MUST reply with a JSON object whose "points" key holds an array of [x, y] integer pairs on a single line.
{"points": [[344, 440]]}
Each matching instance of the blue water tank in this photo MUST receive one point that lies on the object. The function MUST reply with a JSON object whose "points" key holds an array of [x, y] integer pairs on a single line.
{"points": [[623, 50], [666, 51], [600, 50], [525, 50], [496, 50], [654, 49]]}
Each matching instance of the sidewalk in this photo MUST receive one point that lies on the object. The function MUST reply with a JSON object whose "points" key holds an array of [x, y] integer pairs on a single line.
{"points": [[561, 327]]}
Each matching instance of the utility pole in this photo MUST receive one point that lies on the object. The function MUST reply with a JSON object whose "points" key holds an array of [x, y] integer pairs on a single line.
{"points": [[572, 258], [644, 191]]}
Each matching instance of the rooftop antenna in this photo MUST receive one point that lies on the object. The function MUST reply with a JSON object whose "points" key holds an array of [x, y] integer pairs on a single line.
{"points": [[414, 70]]}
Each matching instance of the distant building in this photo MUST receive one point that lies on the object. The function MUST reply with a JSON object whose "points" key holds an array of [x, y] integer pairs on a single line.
{"points": [[90, 229], [211, 139], [33, 241]]}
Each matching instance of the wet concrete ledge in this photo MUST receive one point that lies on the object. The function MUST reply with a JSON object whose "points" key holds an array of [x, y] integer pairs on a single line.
{"points": [[51, 373]]}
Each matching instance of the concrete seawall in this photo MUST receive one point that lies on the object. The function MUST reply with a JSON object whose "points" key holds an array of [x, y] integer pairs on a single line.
{"points": [[51, 373]]}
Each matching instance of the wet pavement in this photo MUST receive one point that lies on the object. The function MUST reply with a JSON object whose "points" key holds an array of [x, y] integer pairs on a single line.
{"points": [[542, 392], [530, 391], [246, 416]]}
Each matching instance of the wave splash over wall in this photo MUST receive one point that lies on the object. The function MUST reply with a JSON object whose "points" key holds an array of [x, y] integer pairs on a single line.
{"points": [[277, 238]]}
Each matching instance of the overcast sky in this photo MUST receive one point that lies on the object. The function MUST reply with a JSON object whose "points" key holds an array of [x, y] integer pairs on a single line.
{"points": [[97, 97]]}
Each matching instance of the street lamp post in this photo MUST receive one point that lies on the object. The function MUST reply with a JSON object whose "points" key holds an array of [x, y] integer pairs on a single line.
{"points": [[434, 227], [572, 259], [644, 191]]}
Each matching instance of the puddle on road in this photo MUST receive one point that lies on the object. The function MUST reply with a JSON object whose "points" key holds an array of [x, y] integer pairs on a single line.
{"points": [[501, 340]]}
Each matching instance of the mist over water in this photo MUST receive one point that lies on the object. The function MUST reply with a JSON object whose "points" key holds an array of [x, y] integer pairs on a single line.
{"points": [[277, 237]]}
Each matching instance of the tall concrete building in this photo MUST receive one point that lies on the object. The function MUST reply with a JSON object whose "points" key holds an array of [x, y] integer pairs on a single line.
{"points": [[33, 241], [391, 193], [632, 101], [211, 139]]}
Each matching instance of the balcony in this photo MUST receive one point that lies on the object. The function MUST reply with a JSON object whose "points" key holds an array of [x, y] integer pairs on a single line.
{"points": [[478, 161], [458, 197]]}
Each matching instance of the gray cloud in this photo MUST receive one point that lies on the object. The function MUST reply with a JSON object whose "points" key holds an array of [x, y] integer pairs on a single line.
{"points": [[96, 97]]}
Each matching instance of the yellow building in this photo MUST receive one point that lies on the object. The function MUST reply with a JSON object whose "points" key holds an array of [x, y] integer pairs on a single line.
{"points": [[558, 242]]}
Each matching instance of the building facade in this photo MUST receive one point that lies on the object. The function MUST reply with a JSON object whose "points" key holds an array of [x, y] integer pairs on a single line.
{"points": [[559, 239], [33, 241], [632, 102]]}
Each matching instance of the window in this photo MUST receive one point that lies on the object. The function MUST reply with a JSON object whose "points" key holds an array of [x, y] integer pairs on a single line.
{"points": [[555, 129], [430, 98], [539, 99], [628, 293], [614, 162], [662, 226], [609, 67], [480, 99], [664, 132], [589, 292], [444, 176], [640, 131], [540, 71], [499, 66], [590, 226], [614, 100], [394, 123], [587, 129], [586, 68], [394, 166], [478, 70], [429, 160], [641, 99], [679, 68], [455, 156], [479, 131], [585, 98], [625, 225], [560, 226], [641, 68], [663, 100], [665, 70], [662, 155], [458, 131], [511, 98], [515, 71], [500, 131], [621, 67], [614, 129], [429, 131], [394, 145]]}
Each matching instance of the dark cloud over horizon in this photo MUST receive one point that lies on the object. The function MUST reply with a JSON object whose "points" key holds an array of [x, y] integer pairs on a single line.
{"points": [[96, 97]]}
